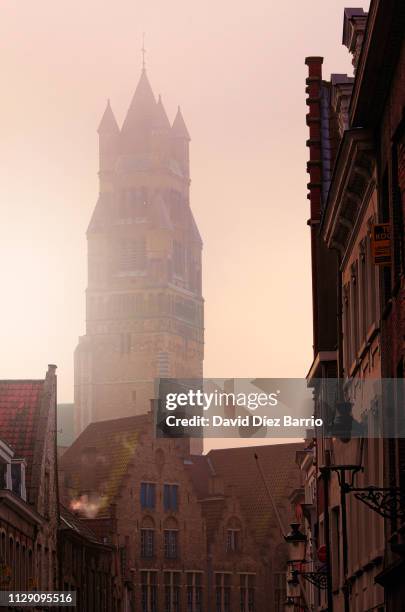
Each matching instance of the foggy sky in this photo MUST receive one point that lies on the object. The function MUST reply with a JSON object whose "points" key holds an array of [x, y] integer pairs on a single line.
{"points": [[237, 70]]}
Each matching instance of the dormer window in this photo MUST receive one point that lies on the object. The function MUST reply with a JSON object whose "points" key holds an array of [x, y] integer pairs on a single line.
{"points": [[6, 457], [4, 484], [18, 478]]}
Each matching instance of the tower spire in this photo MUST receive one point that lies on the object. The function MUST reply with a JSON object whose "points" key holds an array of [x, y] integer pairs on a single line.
{"points": [[143, 50]]}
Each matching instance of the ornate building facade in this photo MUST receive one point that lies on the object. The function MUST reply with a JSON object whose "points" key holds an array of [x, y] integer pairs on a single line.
{"points": [[356, 190], [193, 533], [144, 305]]}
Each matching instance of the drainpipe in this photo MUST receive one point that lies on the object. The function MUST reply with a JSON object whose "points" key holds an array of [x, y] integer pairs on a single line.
{"points": [[326, 525], [210, 576], [346, 593]]}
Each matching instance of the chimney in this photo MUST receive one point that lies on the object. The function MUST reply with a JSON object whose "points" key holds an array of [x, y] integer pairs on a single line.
{"points": [[314, 164]]}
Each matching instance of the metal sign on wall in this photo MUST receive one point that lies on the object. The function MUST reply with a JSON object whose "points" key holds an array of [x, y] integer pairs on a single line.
{"points": [[381, 244]]}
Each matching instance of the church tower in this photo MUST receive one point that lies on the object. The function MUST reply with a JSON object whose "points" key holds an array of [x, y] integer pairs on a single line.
{"points": [[144, 306]]}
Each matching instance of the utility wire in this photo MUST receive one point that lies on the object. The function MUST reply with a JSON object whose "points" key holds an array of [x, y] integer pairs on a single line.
{"points": [[273, 503]]}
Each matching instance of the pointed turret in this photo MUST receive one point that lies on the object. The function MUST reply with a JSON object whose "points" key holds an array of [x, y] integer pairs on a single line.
{"points": [[160, 140], [179, 128], [108, 135], [161, 120], [180, 143], [108, 123]]}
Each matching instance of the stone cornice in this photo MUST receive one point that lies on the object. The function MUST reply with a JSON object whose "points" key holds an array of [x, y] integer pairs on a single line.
{"points": [[20, 507], [315, 370], [381, 46], [351, 179]]}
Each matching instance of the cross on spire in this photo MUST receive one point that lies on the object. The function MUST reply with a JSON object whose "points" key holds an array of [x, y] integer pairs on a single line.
{"points": [[143, 50]]}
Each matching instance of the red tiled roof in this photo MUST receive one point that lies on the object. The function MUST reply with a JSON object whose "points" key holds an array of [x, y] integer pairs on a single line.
{"points": [[20, 402], [97, 461], [237, 468]]}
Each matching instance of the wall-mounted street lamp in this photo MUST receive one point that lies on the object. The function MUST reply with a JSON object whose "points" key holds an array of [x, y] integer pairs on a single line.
{"points": [[345, 425], [297, 542], [387, 502]]}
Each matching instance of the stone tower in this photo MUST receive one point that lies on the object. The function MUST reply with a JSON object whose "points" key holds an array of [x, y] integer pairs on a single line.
{"points": [[144, 306]]}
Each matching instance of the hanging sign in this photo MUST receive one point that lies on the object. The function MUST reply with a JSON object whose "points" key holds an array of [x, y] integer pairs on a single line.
{"points": [[381, 244]]}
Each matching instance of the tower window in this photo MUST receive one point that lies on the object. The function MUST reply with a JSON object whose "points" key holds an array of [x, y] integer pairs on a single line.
{"points": [[131, 255], [132, 204], [179, 258], [185, 309]]}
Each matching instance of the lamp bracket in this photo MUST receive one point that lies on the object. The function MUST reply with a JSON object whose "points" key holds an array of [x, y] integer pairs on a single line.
{"points": [[387, 502], [319, 579]]}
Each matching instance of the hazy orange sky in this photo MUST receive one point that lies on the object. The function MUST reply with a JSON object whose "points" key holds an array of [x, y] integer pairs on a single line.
{"points": [[237, 70]]}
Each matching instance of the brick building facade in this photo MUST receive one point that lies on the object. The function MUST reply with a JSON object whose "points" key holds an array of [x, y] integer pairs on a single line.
{"points": [[356, 141], [86, 566], [28, 483], [190, 532]]}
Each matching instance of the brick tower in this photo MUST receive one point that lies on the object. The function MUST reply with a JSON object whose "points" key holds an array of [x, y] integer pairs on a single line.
{"points": [[144, 306]]}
